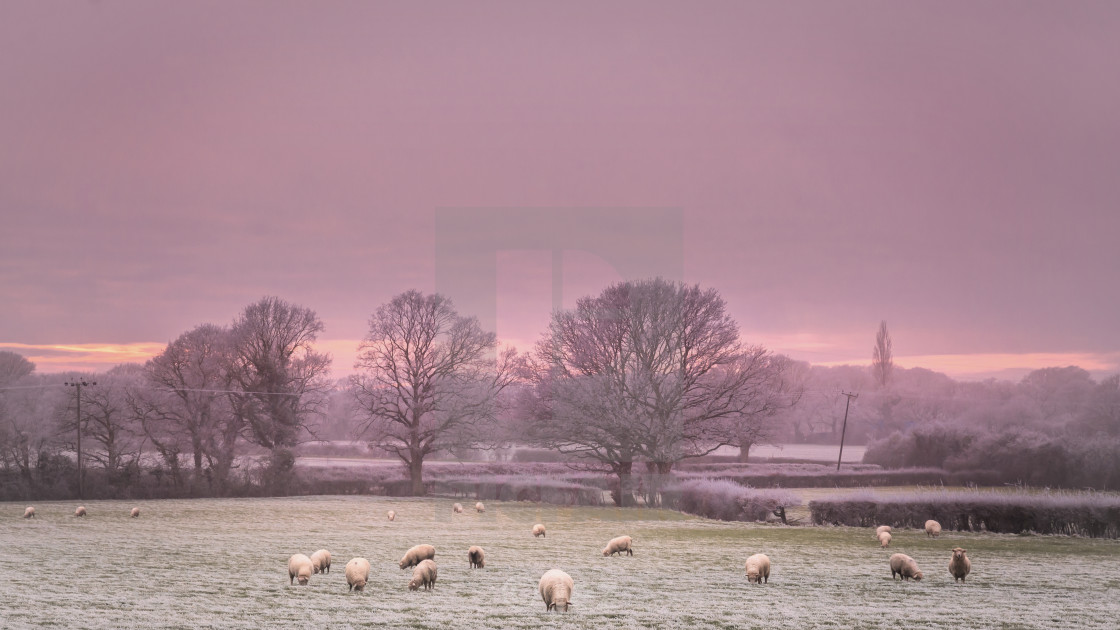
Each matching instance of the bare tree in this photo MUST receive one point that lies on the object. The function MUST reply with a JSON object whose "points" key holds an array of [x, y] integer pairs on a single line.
{"points": [[648, 368], [13, 367], [427, 379], [882, 357], [188, 410], [776, 383], [281, 377], [108, 421]]}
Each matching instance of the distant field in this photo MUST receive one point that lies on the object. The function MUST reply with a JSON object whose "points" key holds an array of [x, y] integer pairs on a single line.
{"points": [[214, 563]]}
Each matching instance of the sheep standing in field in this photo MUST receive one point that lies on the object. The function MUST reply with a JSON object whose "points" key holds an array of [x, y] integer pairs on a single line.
{"points": [[905, 567], [959, 565], [357, 574], [479, 507], [392, 515], [538, 530], [885, 539], [135, 513], [81, 511], [29, 512], [477, 557], [414, 556], [556, 590], [300, 568], [321, 561], [882, 528], [619, 545], [457, 508], [423, 575], [933, 528], [758, 568]]}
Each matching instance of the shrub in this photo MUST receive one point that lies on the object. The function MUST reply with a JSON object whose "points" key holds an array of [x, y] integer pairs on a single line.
{"points": [[726, 500], [542, 489]]}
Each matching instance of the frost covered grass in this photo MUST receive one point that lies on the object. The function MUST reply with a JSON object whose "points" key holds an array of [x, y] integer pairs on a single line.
{"points": [[214, 563]]}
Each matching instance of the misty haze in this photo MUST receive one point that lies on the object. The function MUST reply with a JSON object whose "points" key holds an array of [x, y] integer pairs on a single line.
{"points": [[502, 315]]}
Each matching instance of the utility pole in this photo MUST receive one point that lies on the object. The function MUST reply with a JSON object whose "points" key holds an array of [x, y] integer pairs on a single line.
{"points": [[78, 385], [845, 427]]}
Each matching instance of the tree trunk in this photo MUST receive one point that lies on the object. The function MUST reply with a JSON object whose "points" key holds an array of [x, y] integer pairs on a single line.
{"points": [[624, 495], [744, 451], [416, 474]]}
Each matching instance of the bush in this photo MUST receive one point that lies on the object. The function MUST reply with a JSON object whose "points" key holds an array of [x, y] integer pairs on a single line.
{"points": [[1083, 514], [542, 489], [726, 500]]}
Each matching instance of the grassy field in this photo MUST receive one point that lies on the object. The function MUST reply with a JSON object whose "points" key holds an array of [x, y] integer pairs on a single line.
{"points": [[215, 563]]}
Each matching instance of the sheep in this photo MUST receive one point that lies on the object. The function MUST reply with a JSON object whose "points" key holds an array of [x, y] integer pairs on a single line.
{"points": [[479, 507], [885, 540], [80, 512], [135, 513], [392, 515], [357, 574], [959, 565], [423, 575], [933, 528], [477, 557], [457, 508], [619, 545], [321, 560], [882, 528], [905, 567], [538, 530], [556, 590], [418, 553], [758, 568], [29, 512], [299, 568]]}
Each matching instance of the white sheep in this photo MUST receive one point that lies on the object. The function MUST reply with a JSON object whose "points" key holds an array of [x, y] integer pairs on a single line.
{"points": [[357, 573], [477, 557], [299, 568], [556, 590], [885, 539], [81, 511], [479, 507], [933, 528], [423, 575], [135, 513], [959, 565], [758, 568], [883, 528], [392, 515], [321, 561], [457, 508], [538, 530], [619, 545], [29, 512], [414, 556], [905, 567]]}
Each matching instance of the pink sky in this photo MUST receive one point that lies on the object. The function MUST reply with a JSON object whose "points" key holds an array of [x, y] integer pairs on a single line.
{"points": [[946, 166]]}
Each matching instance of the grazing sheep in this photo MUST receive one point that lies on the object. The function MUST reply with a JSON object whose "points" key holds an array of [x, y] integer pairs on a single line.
{"points": [[135, 513], [457, 508], [299, 568], [556, 590], [885, 539], [933, 528], [882, 528], [619, 545], [392, 515], [418, 553], [959, 565], [423, 575], [477, 557], [538, 530], [758, 568], [357, 574], [479, 507], [29, 512], [321, 560], [81, 511], [905, 567]]}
